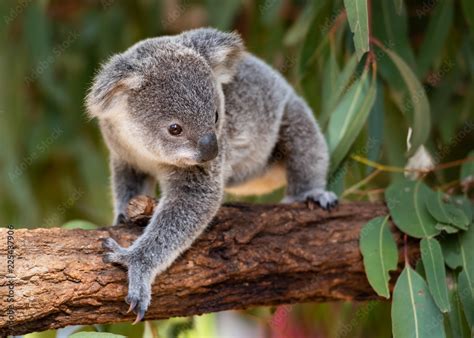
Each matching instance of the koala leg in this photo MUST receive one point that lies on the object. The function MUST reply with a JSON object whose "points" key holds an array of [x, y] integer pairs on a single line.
{"points": [[127, 182], [304, 151], [190, 201]]}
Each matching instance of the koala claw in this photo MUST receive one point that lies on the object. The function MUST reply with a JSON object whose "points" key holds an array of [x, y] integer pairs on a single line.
{"points": [[326, 199], [133, 307], [116, 253], [138, 297], [139, 275]]}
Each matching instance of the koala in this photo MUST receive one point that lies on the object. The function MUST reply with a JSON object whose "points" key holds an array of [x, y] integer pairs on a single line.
{"points": [[200, 116]]}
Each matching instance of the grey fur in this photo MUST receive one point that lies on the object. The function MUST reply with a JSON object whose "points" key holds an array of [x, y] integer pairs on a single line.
{"points": [[185, 79]]}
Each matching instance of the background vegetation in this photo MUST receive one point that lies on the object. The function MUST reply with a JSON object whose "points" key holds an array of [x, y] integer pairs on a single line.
{"points": [[417, 74]]}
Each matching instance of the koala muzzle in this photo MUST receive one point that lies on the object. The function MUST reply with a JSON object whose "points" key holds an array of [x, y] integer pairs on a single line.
{"points": [[207, 147]]}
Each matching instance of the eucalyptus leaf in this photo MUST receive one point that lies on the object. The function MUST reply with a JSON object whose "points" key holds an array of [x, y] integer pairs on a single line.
{"points": [[417, 108], [405, 200], [436, 34], [466, 295], [380, 254], [330, 76], [392, 30], [414, 312], [433, 262], [446, 228], [466, 277], [357, 15], [451, 251], [349, 118], [457, 320], [466, 205], [446, 212], [342, 83]]}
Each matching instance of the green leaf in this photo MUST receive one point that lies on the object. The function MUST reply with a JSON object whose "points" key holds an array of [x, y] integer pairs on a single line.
{"points": [[457, 320], [466, 205], [79, 224], [433, 262], [446, 228], [342, 82], [445, 212], [467, 169], [405, 200], [392, 30], [349, 117], [435, 36], [357, 15], [95, 335], [330, 76], [414, 313], [420, 269], [466, 277], [380, 254], [457, 251], [466, 294], [451, 251], [418, 108]]}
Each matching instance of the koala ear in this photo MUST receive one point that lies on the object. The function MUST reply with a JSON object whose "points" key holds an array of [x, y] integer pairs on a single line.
{"points": [[222, 50], [111, 86]]}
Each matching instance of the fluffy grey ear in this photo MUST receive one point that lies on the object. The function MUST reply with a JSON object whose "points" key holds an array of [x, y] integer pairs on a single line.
{"points": [[111, 86], [222, 50]]}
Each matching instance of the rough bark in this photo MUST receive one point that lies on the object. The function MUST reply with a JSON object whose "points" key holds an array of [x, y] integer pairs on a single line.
{"points": [[250, 255]]}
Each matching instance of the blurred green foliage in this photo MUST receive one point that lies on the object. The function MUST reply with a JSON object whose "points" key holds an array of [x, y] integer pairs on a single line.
{"points": [[54, 165]]}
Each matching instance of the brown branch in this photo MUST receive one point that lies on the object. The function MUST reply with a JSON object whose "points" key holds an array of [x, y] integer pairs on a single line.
{"points": [[251, 255]]}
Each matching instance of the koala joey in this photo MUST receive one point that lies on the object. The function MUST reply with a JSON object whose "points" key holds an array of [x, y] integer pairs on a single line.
{"points": [[199, 115]]}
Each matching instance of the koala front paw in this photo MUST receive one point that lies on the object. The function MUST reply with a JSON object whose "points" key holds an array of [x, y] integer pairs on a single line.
{"points": [[116, 254], [139, 291], [326, 199], [139, 275]]}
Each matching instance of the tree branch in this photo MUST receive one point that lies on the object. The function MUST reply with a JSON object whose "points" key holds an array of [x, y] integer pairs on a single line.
{"points": [[250, 255]]}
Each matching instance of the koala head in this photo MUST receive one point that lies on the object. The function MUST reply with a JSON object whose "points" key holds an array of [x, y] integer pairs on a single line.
{"points": [[164, 96]]}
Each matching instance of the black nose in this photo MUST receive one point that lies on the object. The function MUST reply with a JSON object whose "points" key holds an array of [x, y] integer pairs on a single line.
{"points": [[207, 146]]}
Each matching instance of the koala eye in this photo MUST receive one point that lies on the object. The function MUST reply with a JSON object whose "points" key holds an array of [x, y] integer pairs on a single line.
{"points": [[217, 116], [175, 129]]}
